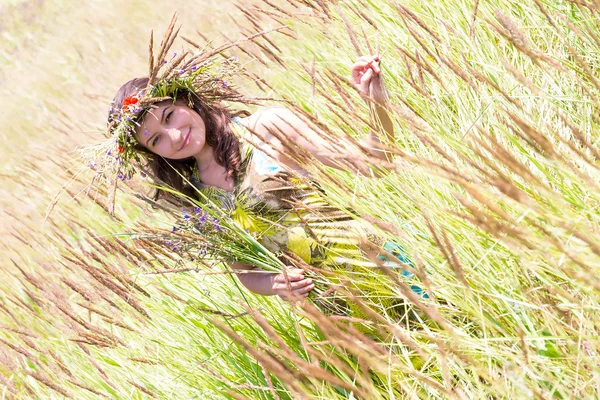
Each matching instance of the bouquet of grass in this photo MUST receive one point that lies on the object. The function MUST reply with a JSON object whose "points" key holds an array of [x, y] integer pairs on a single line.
{"points": [[205, 233]]}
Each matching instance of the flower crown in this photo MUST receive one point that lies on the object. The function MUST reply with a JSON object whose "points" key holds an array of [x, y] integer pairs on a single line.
{"points": [[204, 74], [206, 79]]}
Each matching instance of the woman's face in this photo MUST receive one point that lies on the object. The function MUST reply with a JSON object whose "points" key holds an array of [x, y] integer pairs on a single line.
{"points": [[172, 130]]}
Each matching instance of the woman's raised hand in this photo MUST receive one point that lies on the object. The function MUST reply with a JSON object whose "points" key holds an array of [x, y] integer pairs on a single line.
{"points": [[366, 77], [299, 286]]}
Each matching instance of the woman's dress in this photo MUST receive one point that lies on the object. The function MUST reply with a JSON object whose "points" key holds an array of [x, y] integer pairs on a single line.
{"points": [[287, 213]]}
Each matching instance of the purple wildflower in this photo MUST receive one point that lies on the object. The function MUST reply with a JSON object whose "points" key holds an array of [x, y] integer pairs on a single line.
{"points": [[175, 229], [216, 224], [194, 67], [143, 175], [197, 210]]}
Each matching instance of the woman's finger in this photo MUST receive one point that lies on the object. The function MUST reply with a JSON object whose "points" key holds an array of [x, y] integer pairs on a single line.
{"points": [[360, 63], [366, 78], [367, 61], [295, 295], [375, 66], [280, 278], [367, 58], [296, 271], [305, 289], [357, 70], [293, 285]]}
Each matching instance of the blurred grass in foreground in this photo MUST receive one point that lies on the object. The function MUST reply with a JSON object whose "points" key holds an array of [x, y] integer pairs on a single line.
{"points": [[496, 176]]}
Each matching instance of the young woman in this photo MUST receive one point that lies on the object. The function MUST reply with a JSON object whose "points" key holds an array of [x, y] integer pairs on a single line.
{"points": [[189, 138]]}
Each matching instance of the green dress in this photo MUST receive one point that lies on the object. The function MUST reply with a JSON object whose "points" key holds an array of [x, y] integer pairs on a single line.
{"points": [[288, 213]]}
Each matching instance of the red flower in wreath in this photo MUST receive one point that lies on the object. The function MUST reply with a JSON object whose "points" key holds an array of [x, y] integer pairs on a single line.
{"points": [[130, 100], [120, 149]]}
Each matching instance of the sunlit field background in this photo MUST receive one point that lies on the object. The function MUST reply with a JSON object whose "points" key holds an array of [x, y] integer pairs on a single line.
{"points": [[493, 193]]}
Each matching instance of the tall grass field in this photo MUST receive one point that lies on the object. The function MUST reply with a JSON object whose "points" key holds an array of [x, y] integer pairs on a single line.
{"points": [[492, 188]]}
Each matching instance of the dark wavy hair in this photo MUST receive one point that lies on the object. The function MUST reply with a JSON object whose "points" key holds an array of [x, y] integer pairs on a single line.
{"points": [[219, 136]]}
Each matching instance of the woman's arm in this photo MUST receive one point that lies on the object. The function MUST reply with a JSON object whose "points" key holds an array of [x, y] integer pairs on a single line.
{"points": [[282, 132], [366, 77], [268, 283], [280, 129]]}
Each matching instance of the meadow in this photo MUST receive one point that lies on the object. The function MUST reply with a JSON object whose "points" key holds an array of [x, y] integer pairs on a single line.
{"points": [[492, 190]]}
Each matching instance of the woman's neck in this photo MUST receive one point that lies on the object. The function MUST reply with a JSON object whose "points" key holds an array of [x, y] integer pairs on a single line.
{"points": [[205, 158], [210, 172]]}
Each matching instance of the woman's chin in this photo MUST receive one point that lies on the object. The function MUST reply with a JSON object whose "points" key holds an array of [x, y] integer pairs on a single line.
{"points": [[180, 157]]}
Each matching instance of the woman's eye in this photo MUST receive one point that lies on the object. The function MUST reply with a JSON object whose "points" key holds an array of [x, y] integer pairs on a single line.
{"points": [[168, 117], [155, 140]]}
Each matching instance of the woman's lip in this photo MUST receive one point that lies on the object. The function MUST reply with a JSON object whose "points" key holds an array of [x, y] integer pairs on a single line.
{"points": [[187, 139]]}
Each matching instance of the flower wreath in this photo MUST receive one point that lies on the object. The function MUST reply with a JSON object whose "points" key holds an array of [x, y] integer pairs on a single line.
{"points": [[205, 73], [207, 79]]}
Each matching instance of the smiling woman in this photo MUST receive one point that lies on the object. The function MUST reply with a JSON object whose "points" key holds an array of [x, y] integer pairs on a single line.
{"points": [[176, 138], [247, 166]]}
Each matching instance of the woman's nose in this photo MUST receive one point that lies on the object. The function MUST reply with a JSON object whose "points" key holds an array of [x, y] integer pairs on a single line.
{"points": [[175, 134]]}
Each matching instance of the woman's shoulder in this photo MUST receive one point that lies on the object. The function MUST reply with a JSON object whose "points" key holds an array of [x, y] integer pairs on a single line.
{"points": [[264, 115]]}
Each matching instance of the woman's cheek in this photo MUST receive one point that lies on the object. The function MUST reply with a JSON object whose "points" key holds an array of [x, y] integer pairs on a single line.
{"points": [[166, 150], [161, 149]]}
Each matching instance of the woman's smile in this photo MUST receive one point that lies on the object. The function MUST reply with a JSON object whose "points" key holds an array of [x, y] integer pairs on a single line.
{"points": [[186, 139]]}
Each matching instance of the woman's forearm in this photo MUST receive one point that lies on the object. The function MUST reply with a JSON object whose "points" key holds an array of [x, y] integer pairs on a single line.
{"points": [[366, 77], [381, 116], [258, 281], [254, 278], [384, 134]]}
